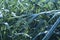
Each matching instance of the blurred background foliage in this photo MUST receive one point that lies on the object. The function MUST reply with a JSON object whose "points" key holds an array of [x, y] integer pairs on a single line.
{"points": [[24, 19]]}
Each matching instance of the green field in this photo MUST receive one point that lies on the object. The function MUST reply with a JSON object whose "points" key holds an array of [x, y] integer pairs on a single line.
{"points": [[29, 19]]}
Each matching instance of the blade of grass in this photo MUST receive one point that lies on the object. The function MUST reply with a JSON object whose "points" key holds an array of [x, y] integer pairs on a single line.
{"points": [[50, 32]]}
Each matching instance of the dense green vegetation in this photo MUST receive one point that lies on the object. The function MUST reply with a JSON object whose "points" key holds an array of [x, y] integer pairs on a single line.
{"points": [[29, 19]]}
